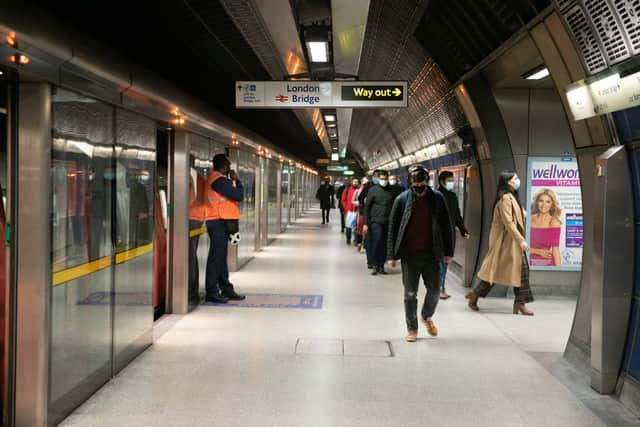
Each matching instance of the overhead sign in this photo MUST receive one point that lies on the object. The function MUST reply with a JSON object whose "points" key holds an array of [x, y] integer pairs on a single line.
{"points": [[309, 94], [322, 161], [337, 168], [605, 95]]}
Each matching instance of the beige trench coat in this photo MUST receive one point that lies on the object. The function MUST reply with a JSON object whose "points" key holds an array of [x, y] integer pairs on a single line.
{"points": [[503, 262]]}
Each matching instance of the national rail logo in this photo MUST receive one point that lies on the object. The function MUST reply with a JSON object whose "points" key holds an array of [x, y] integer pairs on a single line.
{"points": [[282, 98]]}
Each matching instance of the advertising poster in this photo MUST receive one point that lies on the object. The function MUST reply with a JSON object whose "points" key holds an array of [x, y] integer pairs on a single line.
{"points": [[555, 223]]}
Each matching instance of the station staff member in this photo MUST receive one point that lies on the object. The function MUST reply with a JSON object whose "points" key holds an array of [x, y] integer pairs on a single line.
{"points": [[225, 191]]}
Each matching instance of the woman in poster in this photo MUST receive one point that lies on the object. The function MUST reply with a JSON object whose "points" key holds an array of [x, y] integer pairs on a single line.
{"points": [[545, 229]]}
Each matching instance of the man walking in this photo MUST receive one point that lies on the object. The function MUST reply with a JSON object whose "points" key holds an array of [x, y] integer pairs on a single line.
{"points": [[420, 235], [376, 219], [325, 196], [447, 184], [221, 210]]}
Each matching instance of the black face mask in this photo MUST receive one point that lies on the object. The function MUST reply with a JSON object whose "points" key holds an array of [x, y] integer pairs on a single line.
{"points": [[419, 189]]}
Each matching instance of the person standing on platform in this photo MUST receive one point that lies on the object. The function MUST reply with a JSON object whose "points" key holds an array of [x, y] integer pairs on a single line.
{"points": [[221, 211], [350, 210], [339, 190], [506, 260], [325, 195], [376, 219], [394, 186], [447, 184], [420, 235]]}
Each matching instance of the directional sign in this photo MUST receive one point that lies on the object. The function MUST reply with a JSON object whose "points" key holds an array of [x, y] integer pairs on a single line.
{"points": [[337, 168], [322, 161], [309, 94], [373, 93]]}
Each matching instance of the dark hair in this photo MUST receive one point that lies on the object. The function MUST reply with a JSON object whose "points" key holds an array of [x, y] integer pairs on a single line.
{"points": [[382, 172], [445, 175], [418, 173], [220, 161], [504, 187]]}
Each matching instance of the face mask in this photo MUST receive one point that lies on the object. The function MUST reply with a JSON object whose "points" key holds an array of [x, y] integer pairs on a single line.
{"points": [[449, 186], [375, 180], [144, 178], [109, 175], [516, 184], [392, 182], [383, 182], [419, 189]]}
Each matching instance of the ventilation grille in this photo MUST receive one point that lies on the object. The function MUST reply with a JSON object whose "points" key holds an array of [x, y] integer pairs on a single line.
{"points": [[563, 4], [629, 14], [608, 30], [586, 39]]}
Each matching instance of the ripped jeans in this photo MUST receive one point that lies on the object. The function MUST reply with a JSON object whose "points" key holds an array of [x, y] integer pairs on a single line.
{"points": [[414, 266]]}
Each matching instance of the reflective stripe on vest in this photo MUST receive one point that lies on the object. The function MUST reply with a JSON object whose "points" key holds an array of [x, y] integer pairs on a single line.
{"points": [[218, 206]]}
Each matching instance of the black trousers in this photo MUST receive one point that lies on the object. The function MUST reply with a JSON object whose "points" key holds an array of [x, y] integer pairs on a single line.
{"points": [[523, 294], [325, 215], [427, 265], [341, 219]]}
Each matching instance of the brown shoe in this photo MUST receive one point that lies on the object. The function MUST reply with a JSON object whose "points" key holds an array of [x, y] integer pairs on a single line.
{"points": [[522, 309], [412, 336], [431, 327], [473, 300]]}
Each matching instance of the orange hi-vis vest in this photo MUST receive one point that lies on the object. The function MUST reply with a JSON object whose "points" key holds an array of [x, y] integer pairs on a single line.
{"points": [[197, 198], [217, 206]]}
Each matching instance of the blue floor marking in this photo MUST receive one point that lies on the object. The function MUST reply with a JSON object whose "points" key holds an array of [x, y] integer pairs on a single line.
{"points": [[122, 298], [309, 302]]}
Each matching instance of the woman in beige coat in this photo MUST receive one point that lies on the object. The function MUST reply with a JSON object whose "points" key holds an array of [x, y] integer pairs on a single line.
{"points": [[506, 261]]}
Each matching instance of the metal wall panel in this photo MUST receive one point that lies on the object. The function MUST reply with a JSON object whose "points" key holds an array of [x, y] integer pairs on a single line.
{"points": [[32, 240], [179, 223]]}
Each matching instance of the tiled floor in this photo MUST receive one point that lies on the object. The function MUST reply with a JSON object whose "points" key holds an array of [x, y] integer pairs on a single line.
{"points": [[223, 366]]}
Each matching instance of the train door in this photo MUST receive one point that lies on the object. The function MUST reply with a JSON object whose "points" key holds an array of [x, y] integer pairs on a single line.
{"points": [[8, 103], [160, 247]]}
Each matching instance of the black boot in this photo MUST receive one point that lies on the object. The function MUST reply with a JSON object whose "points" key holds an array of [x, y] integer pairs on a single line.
{"points": [[217, 299]]}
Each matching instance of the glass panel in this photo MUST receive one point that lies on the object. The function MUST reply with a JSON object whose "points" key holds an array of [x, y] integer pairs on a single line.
{"points": [[82, 189], [201, 163], [284, 197], [247, 174], [135, 154], [4, 137], [274, 218]]}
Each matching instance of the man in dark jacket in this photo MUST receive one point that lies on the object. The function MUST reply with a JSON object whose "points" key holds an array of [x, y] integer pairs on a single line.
{"points": [[447, 184], [420, 235], [325, 195], [376, 219]]}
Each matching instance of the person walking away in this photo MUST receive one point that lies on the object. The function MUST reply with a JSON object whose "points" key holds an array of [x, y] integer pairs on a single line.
{"points": [[339, 190], [394, 186], [362, 201], [447, 184], [358, 201], [376, 219], [420, 236], [225, 191], [325, 195], [347, 205], [506, 261]]}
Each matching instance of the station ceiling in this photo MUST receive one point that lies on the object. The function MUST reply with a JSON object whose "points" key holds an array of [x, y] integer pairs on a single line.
{"points": [[196, 45]]}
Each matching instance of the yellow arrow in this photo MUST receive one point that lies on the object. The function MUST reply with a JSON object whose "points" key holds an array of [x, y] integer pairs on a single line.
{"points": [[397, 92]]}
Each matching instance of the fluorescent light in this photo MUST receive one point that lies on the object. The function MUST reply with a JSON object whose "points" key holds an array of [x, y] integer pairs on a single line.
{"points": [[335, 157], [331, 125], [328, 117], [540, 74], [318, 51]]}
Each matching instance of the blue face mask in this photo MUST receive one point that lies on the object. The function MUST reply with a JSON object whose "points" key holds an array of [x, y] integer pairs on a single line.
{"points": [[516, 184], [449, 186], [375, 180]]}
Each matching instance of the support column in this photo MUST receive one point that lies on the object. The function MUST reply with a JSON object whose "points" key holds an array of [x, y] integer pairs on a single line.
{"points": [[33, 248], [179, 224]]}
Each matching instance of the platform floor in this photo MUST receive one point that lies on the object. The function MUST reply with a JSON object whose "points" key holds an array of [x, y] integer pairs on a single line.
{"points": [[345, 364]]}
